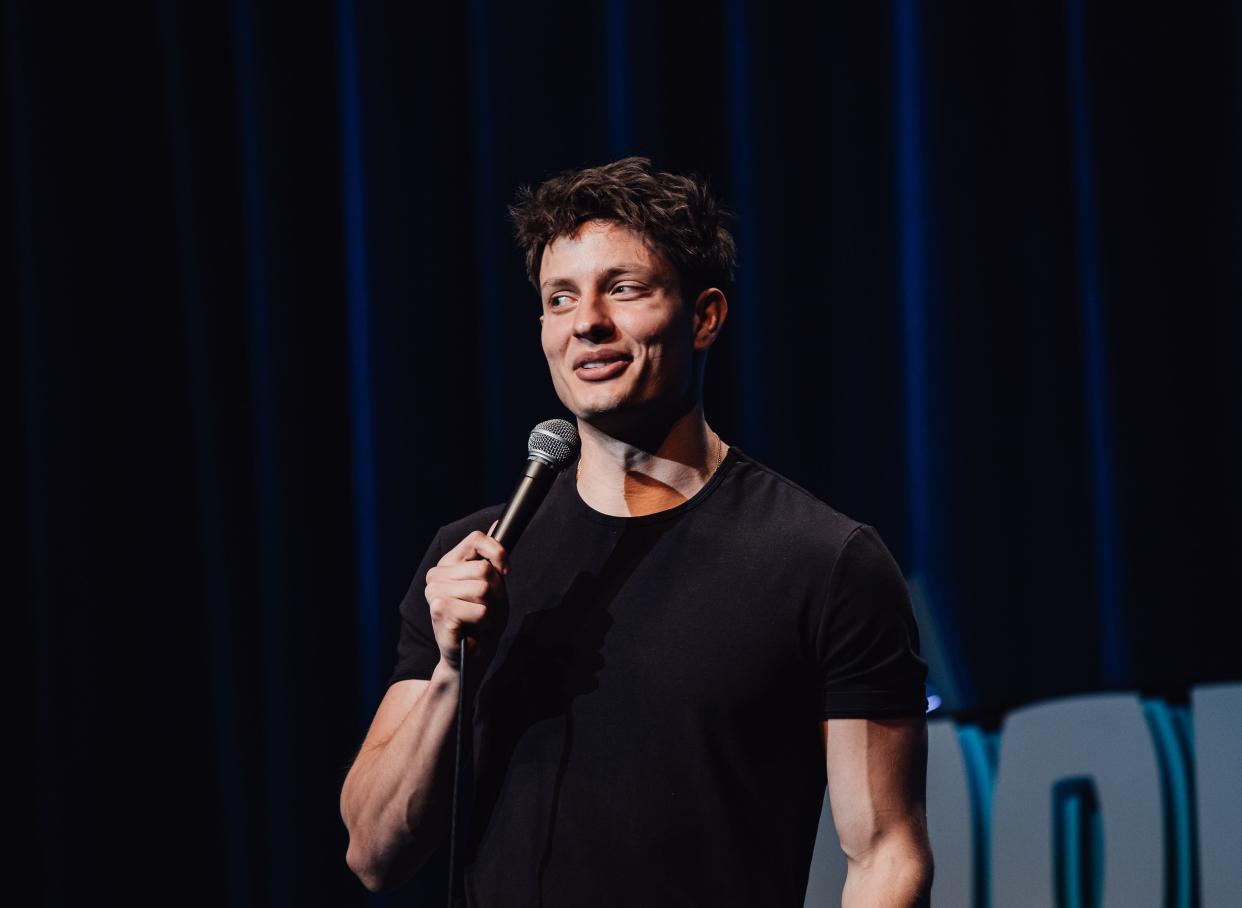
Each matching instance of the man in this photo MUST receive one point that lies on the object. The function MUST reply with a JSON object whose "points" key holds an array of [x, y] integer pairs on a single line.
{"points": [[683, 647]]}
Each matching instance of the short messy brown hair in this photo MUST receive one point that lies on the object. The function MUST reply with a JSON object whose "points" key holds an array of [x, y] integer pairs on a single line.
{"points": [[676, 215]]}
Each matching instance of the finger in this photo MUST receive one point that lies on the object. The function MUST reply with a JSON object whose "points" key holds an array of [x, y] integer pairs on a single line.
{"points": [[473, 586], [480, 587], [478, 545], [462, 570], [448, 614], [474, 590], [467, 615]]}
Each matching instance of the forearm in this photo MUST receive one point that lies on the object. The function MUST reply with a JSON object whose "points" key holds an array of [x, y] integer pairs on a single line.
{"points": [[397, 796], [892, 874]]}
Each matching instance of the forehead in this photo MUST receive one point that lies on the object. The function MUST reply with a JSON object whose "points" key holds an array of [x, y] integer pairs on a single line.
{"points": [[595, 247]]}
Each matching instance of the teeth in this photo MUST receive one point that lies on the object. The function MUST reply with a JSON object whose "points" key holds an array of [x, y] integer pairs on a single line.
{"points": [[596, 365]]}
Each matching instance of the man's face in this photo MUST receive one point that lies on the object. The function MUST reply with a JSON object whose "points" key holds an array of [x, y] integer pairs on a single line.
{"points": [[618, 337]]}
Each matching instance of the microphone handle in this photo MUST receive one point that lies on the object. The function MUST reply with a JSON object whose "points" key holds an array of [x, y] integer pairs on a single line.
{"points": [[526, 498]]}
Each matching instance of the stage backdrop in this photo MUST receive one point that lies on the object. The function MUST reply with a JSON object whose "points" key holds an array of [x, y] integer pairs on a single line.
{"points": [[271, 331]]}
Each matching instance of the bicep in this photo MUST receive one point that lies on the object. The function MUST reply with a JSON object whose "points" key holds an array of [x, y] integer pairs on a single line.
{"points": [[876, 779]]}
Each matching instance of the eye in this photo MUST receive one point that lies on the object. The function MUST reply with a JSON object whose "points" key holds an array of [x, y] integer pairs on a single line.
{"points": [[626, 288], [552, 300]]}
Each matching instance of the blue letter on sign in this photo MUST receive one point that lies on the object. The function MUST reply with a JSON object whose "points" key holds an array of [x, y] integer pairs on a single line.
{"points": [[1102, 746]]}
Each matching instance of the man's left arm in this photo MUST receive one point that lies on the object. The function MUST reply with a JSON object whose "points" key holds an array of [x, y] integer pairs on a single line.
{"points": [[877, 770]]}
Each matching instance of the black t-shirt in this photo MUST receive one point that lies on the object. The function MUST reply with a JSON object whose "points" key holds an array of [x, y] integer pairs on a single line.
{"points": [[649, 729]]}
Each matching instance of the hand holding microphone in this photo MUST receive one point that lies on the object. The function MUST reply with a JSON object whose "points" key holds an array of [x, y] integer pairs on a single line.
{"points": [[466, 595], [466, 590]]}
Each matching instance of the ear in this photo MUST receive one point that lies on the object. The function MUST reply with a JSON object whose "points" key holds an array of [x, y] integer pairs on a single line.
{"points": [[710, 311]]}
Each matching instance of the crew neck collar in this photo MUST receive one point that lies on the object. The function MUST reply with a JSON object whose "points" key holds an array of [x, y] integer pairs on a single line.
{"points": [[732, 457]]}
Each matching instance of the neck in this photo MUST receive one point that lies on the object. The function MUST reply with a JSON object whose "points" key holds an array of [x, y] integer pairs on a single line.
{"points": [[625, 479]]}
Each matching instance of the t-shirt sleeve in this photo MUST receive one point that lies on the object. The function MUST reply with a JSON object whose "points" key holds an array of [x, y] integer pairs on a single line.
{"points": [[417, 651], [867, 643]]}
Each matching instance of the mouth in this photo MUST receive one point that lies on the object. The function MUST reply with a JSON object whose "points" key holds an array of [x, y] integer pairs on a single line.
{"points": [[601, 369]]}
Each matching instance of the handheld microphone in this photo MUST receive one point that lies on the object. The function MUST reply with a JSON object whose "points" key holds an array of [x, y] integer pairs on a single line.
{"points": [[551, 446]]}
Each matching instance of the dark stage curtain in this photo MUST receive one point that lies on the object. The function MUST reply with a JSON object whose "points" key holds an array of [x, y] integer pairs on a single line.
{"points": [[270, 332]]}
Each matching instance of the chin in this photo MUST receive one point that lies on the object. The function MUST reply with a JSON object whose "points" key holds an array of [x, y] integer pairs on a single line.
{"points": [[619, 411], [598, 414], [619, 420], [590, 411], [589, 407]]}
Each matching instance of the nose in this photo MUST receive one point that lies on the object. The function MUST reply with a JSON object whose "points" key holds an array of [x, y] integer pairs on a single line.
{"points": [[593, 319]]}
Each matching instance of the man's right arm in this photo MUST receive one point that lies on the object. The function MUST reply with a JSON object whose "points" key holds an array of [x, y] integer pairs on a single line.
{"points": [[396, 798], [397, 794]]}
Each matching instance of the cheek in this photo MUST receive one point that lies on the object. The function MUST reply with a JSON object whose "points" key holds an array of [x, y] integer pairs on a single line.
{"points": [[658, 334], [549, 343], [666, 346], [554, 353]]}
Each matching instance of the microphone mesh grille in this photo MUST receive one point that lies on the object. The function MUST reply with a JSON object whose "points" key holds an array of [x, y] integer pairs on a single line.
{"points": [[554, 441]]}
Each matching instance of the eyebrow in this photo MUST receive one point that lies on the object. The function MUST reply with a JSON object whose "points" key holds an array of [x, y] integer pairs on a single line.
{"points": [[606, 276]]}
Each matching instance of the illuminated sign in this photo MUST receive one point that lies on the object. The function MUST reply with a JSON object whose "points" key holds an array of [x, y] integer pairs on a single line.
{"points": [[1085, 802]]}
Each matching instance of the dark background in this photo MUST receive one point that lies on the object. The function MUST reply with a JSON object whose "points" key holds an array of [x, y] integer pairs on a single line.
{"points": [[270, 332]]}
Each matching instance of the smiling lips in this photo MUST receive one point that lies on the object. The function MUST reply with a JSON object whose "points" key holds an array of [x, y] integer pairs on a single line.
{"points": [[600, 366]]}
